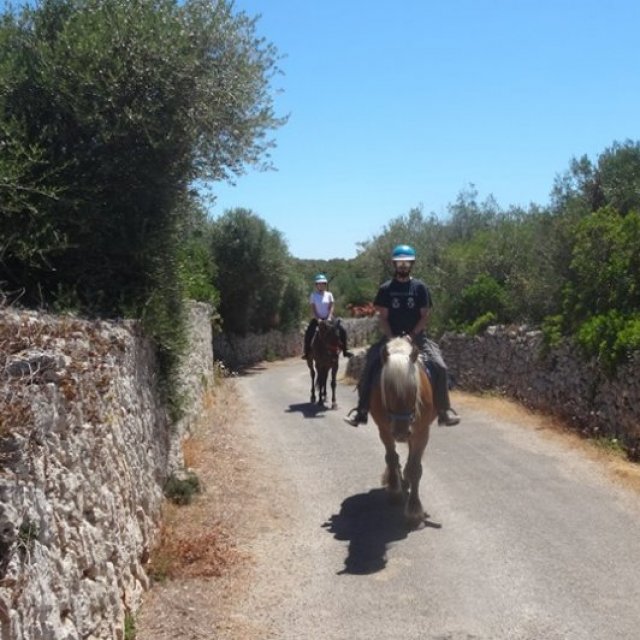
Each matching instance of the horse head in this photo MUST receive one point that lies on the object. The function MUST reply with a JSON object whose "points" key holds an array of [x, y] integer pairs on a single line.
{"points": [[329, 336], [400, 383]]}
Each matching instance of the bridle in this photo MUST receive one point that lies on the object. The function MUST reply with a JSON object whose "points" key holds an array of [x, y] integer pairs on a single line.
{"points": [[333, 347], [402, 416]]}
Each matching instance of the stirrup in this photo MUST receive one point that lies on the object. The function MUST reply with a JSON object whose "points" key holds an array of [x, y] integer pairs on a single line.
{"points": [[444, 417], [358, 419]]}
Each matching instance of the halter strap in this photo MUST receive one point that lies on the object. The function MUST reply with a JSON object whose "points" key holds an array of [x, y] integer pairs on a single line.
{"points": [[402, 416]]}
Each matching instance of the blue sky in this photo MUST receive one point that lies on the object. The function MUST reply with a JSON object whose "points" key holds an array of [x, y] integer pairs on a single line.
{"points": [[398, 104]]}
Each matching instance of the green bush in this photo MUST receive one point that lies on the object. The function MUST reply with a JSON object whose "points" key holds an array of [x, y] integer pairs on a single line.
{"points": [[481, 323], [129, 627], [181, 488], [552, 330], [611, 338], [484, 298]]}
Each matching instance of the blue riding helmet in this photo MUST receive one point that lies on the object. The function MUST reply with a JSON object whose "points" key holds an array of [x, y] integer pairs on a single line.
{"points": [[403, 252], [321, 278]]}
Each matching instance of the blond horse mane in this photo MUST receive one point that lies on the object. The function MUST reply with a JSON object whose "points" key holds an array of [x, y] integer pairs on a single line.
{"points": [[400, 376]]}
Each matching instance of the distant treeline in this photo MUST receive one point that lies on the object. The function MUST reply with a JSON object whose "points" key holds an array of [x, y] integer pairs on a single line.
{"points": [[110, 112], [572, 267]]}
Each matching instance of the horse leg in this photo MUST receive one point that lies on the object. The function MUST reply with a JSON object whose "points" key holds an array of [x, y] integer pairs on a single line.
{"points": [[312, 371], [320, 393], [392, 477], [412, 473], [334, 371]]}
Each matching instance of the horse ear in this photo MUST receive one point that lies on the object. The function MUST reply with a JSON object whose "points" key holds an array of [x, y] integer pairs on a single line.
{"points": [[385, 353], [415, 352]]}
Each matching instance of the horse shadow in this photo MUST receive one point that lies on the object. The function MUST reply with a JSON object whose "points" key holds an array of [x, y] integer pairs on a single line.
{"points": [[309, 409], [370, 524]]}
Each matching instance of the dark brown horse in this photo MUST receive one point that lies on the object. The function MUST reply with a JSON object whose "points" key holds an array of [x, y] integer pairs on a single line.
{"points": [[403, 408], [323, 358]]}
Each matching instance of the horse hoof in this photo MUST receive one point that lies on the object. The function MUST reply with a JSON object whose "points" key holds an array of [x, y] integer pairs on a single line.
{"points": [[415, 516], [413, 523], [334, 405]]}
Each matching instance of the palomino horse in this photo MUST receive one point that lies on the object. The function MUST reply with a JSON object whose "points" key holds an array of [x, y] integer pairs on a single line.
{"points": [[403, 408], [323, 357]]}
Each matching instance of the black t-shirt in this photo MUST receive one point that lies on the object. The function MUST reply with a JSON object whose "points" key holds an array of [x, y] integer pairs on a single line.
{"points": [[404, 301]]}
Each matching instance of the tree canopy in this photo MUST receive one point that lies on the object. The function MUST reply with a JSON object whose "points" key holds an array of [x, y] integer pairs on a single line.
{"points": [[258, 288], [109, 110]]}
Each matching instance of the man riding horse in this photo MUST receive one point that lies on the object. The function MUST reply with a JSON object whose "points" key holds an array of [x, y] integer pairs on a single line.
{"points": [[404, 305]]}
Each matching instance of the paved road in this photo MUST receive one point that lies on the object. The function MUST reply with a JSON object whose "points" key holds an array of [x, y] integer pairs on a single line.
{"points": [[526, 539]]}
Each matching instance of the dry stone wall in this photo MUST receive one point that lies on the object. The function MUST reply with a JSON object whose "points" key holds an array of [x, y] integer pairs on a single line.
{"points": [[85, 448], [240, 351], [514, 361]]}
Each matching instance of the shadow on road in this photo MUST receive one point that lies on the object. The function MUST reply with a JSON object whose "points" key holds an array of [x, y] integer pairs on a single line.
{"points": [[249, 370], [370, 524], [309, 409]]}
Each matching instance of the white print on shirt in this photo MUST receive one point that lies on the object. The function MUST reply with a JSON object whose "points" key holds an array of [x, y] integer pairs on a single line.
{"points": [[396, 304]]}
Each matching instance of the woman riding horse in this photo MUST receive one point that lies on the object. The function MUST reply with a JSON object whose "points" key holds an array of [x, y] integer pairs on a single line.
{"points": [[321, 303]]}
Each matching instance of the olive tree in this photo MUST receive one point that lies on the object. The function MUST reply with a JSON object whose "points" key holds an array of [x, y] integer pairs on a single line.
{"points": [[258, 288], [115, 108]]}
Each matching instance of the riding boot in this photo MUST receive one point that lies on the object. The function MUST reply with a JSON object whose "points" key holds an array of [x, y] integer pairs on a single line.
{"points": [[359, 418], [448, 418], [308, 335], [446, 415], [343, 339], [307, 347], [369, 373]]}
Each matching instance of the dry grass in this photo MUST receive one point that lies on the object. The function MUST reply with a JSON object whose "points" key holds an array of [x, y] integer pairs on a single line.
{"points": [[201, 564], [192, 541], [184, 553]]}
